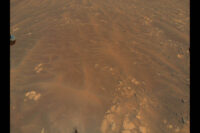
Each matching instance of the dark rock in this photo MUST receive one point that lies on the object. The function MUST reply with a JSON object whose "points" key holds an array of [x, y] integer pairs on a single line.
{"points": [[182, 100], [183, 120]]}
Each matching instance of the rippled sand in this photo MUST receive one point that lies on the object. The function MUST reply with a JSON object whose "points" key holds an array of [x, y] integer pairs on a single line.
{"points": [[101, 66]]}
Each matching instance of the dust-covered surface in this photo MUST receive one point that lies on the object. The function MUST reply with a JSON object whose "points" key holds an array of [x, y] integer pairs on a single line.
{"points": [[101, 66]]}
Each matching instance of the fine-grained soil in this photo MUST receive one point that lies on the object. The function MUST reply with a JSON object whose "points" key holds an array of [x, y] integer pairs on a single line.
{"points": [[100, 66]]}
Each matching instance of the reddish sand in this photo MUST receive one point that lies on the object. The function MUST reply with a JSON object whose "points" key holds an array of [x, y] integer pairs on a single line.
{"points": [[101, 66]]}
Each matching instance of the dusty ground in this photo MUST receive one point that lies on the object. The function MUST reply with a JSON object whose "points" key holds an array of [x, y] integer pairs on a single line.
{"points": [[102, 66]]}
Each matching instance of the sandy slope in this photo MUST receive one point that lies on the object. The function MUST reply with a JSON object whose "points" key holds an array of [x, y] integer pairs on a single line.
{"points": [[102, 66]]}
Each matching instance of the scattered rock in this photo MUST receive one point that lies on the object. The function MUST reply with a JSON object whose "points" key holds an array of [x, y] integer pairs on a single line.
{"points": [[32, 95], [170, 126], [15, 29], [29, 33], [158, 74], [113, 108], [120, 83], [42, 131], [103, 89], [126, 131], [177, 129], [165, 121], [183, 120], [129, 88], [128, 125], [138, 116], [38, 68], [180, 56], [96, 65], [134, 81], [143, 129], [111, 69], [182, 100]]}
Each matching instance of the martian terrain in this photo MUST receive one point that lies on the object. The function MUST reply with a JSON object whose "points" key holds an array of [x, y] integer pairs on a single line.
{"points": [[100, 66]]}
